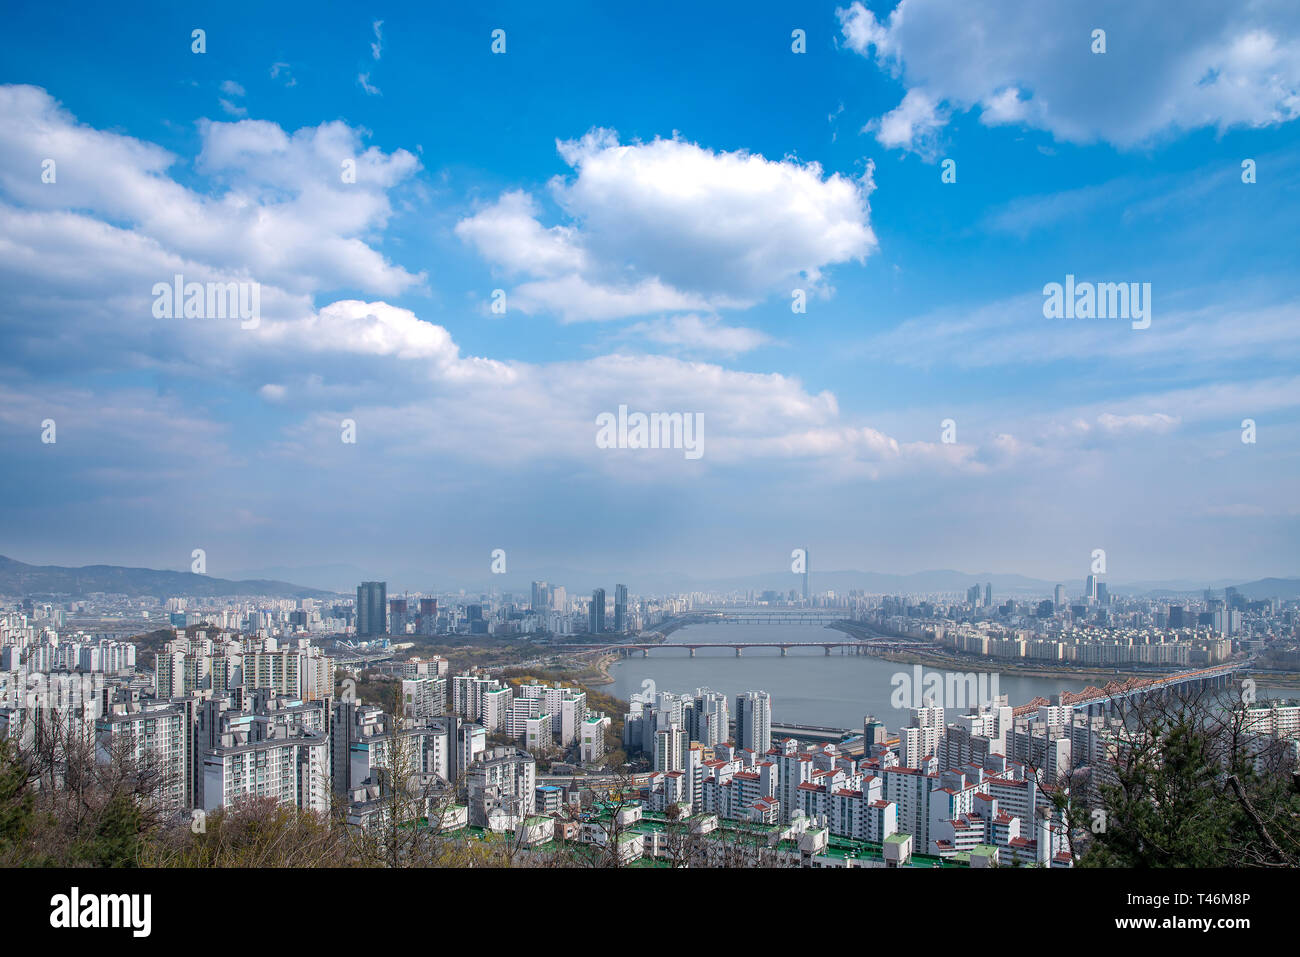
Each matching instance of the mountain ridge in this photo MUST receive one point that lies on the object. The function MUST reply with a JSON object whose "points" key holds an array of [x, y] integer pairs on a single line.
{"points": [[20, 578]]}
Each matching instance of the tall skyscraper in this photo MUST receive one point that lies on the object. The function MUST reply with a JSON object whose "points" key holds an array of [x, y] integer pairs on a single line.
{"points": [[988, 595], [1090, 590], [596, 615], [754, 721], [541, 596], [1060, 597], [397, 616], [372, 609], [428, 620], [620, 608], [807, 560]]}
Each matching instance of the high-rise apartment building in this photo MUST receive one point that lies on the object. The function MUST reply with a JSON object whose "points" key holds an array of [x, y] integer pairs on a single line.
{"points": [[754, 721]]}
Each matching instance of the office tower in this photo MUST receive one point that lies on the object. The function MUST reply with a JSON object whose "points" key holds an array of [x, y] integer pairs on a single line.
{"points": [[1103, 596], [1060, 596], [559, 599], [807, 561], [397, 616], [1090, 591], [372, 608], [428, 620], [541, 596], [1176, 619], [620, 608], [596, 615], [973, 596], [754, 721], [988, 595]]}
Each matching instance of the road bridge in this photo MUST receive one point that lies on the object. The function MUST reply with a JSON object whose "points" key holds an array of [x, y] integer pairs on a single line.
{"points": [[846, 647], [1096, 700]]}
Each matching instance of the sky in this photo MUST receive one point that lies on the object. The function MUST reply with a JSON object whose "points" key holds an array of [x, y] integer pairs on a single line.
{"points": [[470, 254]]}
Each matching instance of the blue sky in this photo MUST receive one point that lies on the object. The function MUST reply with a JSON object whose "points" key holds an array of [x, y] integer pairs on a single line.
{"points": [[648, 191]]}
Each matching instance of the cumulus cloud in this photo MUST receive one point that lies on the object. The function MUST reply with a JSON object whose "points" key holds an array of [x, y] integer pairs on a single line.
{"points": [[79, 263], [672, 226], [280, 212], [1032, 64], [912, 125]]}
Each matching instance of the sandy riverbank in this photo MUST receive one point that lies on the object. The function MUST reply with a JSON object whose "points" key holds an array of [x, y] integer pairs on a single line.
{"points": [[601, 666]]}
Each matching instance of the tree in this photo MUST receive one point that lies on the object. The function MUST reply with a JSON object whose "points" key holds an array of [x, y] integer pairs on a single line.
{"points": [[1196, 787]]}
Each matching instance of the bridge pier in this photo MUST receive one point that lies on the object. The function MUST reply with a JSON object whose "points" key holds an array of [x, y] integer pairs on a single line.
{"points": [[692, 651], [739, 652], [828, 651], [784, 651]]}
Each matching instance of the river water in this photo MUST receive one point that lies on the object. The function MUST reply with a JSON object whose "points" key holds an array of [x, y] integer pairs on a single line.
{"points": [[807, 687]]}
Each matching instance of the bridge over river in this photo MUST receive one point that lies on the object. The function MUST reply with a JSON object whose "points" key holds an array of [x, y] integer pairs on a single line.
{"points": [[846, 647]]}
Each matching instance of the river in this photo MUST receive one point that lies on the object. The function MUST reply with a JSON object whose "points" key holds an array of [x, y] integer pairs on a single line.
{"points": [[808, 687]]}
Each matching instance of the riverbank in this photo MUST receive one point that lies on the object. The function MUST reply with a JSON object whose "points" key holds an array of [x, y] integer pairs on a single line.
{"points": [[927, 654], [601, 668]]}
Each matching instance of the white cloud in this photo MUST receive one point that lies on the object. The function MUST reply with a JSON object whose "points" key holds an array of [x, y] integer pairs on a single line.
{"points": [[1219, 66], [377, 48], [695, 333], [912, 125], [672, 226], [363, 80], [283, 69], [1013, 332], [1139, 422], [279, 213]]}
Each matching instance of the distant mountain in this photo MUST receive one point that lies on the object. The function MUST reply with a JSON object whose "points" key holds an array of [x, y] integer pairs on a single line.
{"points": [[334, 578], [18, 578], [1271, 588]]}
